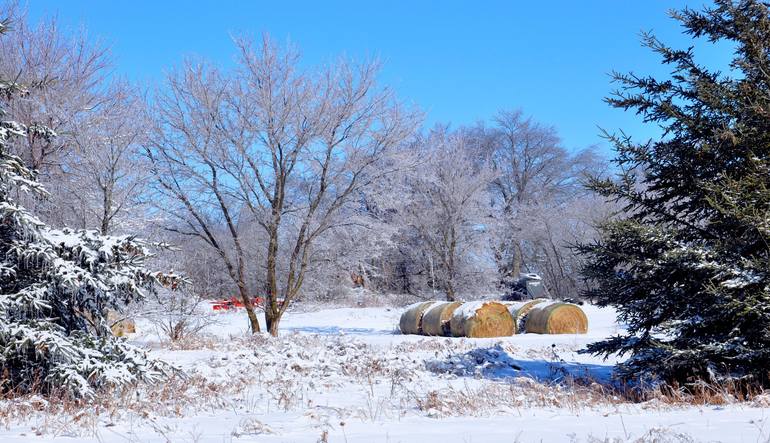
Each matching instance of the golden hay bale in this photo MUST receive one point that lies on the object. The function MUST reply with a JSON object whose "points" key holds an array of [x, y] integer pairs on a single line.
{"points": [[120, 326], [519, 311], [411, 319], [435, 321], [481, 319], [557, 318]]}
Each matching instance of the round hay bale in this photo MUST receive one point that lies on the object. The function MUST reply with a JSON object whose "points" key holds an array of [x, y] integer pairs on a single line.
{"points": [[120, 326], [519, 311], [411, 319], [481, 319], [435, 321], [557, 318], [123, 327]]}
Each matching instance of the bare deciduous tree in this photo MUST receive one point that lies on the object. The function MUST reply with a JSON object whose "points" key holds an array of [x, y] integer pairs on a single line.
{"points": [[449, 209], [73, 70], [107, 179], [188, 155], [534, 174], [273, 146], [90, 166]]}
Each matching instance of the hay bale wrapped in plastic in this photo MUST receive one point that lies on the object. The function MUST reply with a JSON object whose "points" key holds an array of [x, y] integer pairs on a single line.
{"points": [[557, 318], [436, 319], [481, 319], [519, 311], [411, 319]]}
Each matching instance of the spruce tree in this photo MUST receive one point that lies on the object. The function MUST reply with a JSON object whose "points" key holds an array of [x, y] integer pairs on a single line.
{"points": [[56, 287], [687, 262]]}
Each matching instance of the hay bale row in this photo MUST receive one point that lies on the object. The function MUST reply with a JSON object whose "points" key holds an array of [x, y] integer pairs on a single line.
{"points": [[411, 319], [475, 319], [492, 319], [557, 318]]}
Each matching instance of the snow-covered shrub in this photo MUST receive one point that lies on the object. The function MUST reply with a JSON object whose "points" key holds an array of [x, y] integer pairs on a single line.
{"points": [[56, 287], [180, 313]]}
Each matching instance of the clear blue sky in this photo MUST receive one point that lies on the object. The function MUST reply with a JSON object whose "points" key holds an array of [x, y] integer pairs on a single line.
{"points": [[460, 61]]}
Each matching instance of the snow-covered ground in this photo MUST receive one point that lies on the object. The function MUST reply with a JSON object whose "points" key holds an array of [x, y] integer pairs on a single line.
{"points": [[344, 375]]}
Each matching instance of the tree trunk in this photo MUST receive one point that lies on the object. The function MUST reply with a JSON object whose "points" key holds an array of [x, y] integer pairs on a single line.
{"points": [[106, 209], [272, 319], [516, 261], [272, 314], [450, 292], [249, 306], [253, 320], [450, 265]]}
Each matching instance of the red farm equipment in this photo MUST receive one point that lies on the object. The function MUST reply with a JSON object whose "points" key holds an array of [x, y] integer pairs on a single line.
{"points": [[233, 303]]}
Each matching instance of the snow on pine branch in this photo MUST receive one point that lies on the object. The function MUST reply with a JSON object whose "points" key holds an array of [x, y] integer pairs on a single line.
{"points": [[56, 287]]}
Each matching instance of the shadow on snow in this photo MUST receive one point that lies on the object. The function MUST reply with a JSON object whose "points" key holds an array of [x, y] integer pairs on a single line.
{"points": [[495, 363]]}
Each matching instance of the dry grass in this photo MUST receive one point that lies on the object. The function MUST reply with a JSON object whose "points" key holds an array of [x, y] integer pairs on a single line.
{"points": [[259, 374], [571, 394], [191, 342], [60, 414], [513, 398]]}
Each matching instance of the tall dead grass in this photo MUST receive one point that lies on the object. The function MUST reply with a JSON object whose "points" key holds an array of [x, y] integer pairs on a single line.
{"points": [[286, 373]]}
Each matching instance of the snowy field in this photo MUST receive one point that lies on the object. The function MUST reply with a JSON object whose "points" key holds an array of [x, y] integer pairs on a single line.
{"points": [[344, 375]]}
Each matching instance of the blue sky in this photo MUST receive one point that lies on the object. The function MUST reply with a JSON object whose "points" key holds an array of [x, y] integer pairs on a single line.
{"points": [[460, 61]]}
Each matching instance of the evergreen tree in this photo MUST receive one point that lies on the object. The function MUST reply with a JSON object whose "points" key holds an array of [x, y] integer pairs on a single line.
{"points": [[687, 263], [56, 286]]}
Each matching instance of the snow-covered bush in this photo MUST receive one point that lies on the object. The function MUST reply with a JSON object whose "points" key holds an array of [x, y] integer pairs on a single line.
{"points": [[180, 313], [56, 287]]}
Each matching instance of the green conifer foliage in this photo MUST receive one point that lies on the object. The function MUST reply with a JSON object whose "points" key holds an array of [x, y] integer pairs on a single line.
{"points": [[686, 264]]}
